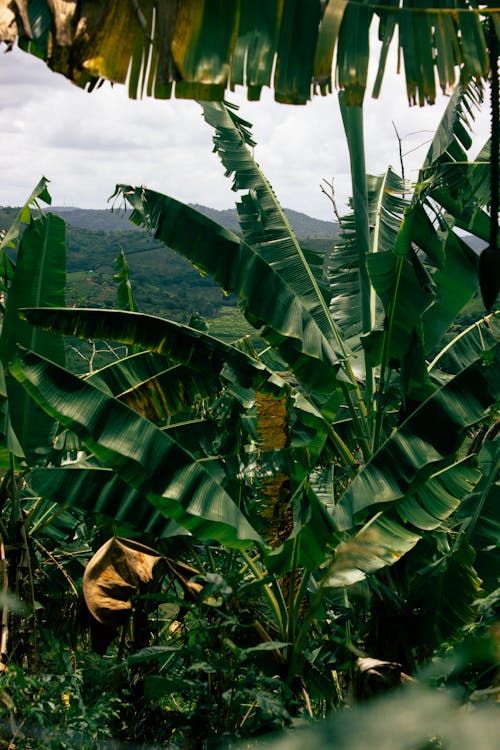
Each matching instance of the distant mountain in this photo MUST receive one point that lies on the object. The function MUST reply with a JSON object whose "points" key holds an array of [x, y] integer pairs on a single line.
{"points": [[164, 283], [97, 220], [305, 227]]}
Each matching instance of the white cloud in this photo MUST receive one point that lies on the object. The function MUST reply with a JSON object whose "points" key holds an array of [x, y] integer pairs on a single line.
{"points": [[85, 143]]}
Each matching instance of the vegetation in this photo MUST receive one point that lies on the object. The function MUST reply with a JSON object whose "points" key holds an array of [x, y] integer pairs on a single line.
{"points": [[200, 49], [267, 530], [165, 283], [320, 498]]}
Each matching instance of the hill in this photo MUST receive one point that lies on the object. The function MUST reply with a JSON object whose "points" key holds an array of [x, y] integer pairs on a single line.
{"points": [[163, 282], [304, 226]]}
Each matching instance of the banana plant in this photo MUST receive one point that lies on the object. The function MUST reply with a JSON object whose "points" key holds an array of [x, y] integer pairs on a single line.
{"points": [[376, 457]]}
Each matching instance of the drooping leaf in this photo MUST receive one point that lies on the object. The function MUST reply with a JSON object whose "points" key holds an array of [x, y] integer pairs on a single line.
{"points": [[254, 49], [427, 441], [179, 343], [267, 297], [119, 570], [380, 543], [296, 51], [199, 47], [439, 496], [386, 537], [154, 388], [100, 491], [205, 365], [147, 459]]}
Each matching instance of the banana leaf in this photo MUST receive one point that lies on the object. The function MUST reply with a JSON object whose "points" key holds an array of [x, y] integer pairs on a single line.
{"points": [[386, 204], [140, 454], [40, 192], [443, 596], [124, 294], [426, 442], [39, 279], [472, 343], [379, 544], [267, 296], [263, 222], [196, 49], [452, 138], [146, 383], [179, 343], [480, 513], [206, 364], [99, 490], [389, 535], [456, 284]]}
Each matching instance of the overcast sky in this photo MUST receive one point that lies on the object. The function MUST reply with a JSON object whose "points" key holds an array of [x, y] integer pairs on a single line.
{"points": [[86, 143]]}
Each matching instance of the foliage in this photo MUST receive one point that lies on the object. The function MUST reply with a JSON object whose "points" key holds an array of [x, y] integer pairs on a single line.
{"points": [[58, 710], [199, 49], [164, 283], [321, 491]]}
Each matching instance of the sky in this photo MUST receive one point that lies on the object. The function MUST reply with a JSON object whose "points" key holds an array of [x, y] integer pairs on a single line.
{"points": [[86, 143]]}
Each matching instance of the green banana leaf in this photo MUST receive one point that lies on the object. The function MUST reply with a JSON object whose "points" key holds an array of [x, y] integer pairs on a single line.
{"points": [[140, 454], [147, 384], [198, 49], [379, 544], [443, 597], [386, 204], [267, 298], [179, 343], [45, 519], [386, 537], [263, 222], [99, 490], [121, 276], [463, 192], [422, 298], [480, 514], [426, 442], [473, 342], [352, 118], [439, 496], [452, 138], [39, 278], [456, 284], [398, 285], [205, 365], [23, 218]]}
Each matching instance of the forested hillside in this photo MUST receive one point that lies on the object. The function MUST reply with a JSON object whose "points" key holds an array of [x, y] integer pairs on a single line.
{"points": [[164, 283]]}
